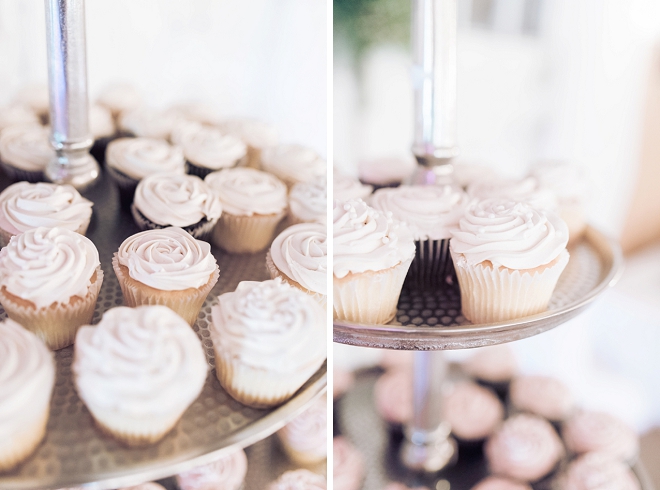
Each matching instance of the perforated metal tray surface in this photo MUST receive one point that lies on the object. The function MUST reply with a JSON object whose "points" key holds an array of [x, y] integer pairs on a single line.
{"points": [[432, 319], [75, 452]]}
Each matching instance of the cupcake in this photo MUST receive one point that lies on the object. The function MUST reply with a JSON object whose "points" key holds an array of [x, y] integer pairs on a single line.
{"points": [[397, 360], [227, 473], [130, 160], [253, 204], [27, 378], [524, 448], [347, 465], [508, 257], [120, 98], [166, 267], [393, 397], [541, 395], [102, 127], [25, 152], [50, 279], [257, 135], [268, 338], [465, 173], [342, 381], [17, 115], [305, 438], [145, 122], [430, 212], [197, 112], [36, 98], [346, 188], [494, 365], [138, 371], [498, 483], [299, 256], [25, 206], [173, 199], [372, 254], [597, 471], [145, 486], [600, 432], [299, 480], [526, 190], [386, 171], [308, 202], [293, 163], [472, 411]]}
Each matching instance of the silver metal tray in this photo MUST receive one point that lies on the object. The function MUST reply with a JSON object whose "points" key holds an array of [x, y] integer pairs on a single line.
{"points": [[74, 452], [432, 320]]}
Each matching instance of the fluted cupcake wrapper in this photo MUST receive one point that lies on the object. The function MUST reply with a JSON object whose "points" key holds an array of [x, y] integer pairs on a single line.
{"points": [[245, 234], [432, 266], [369, 297], [18, 174], [202, 230], [322, 299], [186, 303], [490, 295], [5, 236], [19, 448], [58, 323]]}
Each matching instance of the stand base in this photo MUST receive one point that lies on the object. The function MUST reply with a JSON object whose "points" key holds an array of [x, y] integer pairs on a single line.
{"points": [[429, 453], [76, 168]]}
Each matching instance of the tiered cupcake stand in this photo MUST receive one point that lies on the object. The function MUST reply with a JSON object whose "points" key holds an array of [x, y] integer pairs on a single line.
{"points": [[75, 452], [430, 321]]}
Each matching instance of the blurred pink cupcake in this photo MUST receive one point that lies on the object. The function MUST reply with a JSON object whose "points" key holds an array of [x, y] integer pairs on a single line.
{"points": [[389, 171], [600, 432], [393, 395], [495, 364], [299, 480], [541, 395], [397, 359], [348, 465], [472, 411], [342, 381], [498, 483], [145, 486], [598, 471], [227, 473], [395, 485], [304, 439]]}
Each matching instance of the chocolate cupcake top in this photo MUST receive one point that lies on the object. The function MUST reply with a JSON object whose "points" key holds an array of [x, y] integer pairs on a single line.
{"points": [[176, 199], [299, 480], [346, 188], [524, 448], [255, 133], [308, 201], [526, 190], [149, 123], [101, 123], [542, 395], [597, 471], [393, 396], [17, 115], [430, 211], [209, 148], [247, 191], [120, 97], [495, 364], [26, 147], [601, 432], [347, 465], [293, 163], [227, 473], [140, 157], [24, 206], [498, 483], [307, 432], [472, 411]]}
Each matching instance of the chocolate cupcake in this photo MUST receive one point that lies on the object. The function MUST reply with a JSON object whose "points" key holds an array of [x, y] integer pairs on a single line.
{"points": [[36, 98], [120, 98], [386, 171], [103, 129], [207, 149], [25, 152]]}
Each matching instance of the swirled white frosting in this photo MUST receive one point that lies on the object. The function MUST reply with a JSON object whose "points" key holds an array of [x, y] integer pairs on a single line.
{"points": [[299, 480], [24, 206], [300, 252], [139, 361], [509, 234], [308, 432], [209, 148], [600, 432], [254, 133], [101, 123], [48, 265], [26, 147], [247, 191], [527, 190], [176, 199], [472, 411], [429, 211], [270, 325], [168, 259], [120, 97], [345, 188], [36, 97], [367, 240], [17, 115], [140, 157], [27, 376], [149, 123], [226, 473], [308, 201], [293, 163], [568, 182]]}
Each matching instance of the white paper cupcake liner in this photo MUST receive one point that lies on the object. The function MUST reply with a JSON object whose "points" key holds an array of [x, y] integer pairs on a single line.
{"points": [[369, 297], [432, 266], [245, 234], [202, 230], [15, 450], [490, 295], [321, 299]]}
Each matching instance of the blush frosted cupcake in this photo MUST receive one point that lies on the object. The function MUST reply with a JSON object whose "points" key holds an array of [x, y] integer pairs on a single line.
{"points": [[257, 135], [542, 395], [27, 378], [304, 439], [347, 465], [393, 396], [472, 411], [25, 152], [372, 254], [498, 483], [253, 204], [383, 172], [597, 471], [137, 371], [227, 473], [50, 279], [299, 255], [508, 257], [293, 163], [299, 480], [25, 206], [166, 267], [308, 202], [527, 190]]}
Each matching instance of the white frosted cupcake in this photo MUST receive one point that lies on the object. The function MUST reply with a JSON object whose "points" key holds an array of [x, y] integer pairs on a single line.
{"points": [[293, 163], [527, 190], [472, 411], [25, 206], [508, 257], [299, 255], [17, 115], [27, 377], [166, 267], [197, 112], [146, 122], [227, 473], [50, 279], [393, 397], [119, 98], [253, 204], [138, 371], [103, 129], [598, 471], [268, 338], [25, 152], [372, 254], [305, 438], [299, 480], [542, 395], [173, 199], [345, 188], [430, 212], [35, 97], [308, 202], [347, 465], [464, 174], [257, 135], [388, 171]]}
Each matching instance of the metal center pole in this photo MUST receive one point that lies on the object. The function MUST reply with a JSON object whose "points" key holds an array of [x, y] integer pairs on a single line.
{"points": [[69, 109]]}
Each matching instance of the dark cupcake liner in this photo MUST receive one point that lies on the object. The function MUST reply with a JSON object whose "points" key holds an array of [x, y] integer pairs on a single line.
{"points": [[201, 230], [99, 147], [432, 266], [202, 172], [17, 174], [390, 185], [126, 185]]}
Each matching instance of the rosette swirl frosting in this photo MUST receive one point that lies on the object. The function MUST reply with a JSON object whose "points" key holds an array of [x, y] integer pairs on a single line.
{"points": [[48, 265], [270, 325], [429, 211], [26, 147], [27, 376], [301, 253], [472, 411], [345, 188], [308, 431], [226, 473], [24, 206], [308, 201], [176, 199], [247, 191], [600, 432], [17, 115], [367, 240], [140, 157], [293, 163], [209, 148], [149, 123], [527, 190], [257, 134], [168, 259], [509, 234], [139, 362], [299, 480]]}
